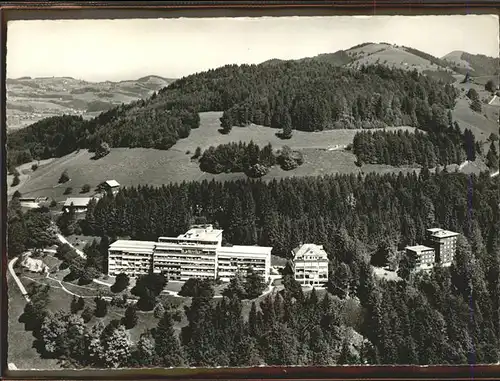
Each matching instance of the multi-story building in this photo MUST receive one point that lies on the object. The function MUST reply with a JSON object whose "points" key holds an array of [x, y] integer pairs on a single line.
{"points": [[196, 254], [310, 265], [423, 256], [233, 259], [190, 255], [444, 243], [130, 257]]}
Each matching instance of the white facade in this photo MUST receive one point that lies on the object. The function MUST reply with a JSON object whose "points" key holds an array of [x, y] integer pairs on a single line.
{"points": [[130, 257], [231, 260], [310, 265], [424, 256], [196, 254]]}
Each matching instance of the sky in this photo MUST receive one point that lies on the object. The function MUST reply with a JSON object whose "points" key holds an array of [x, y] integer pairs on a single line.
{"points": [[99, 50]]}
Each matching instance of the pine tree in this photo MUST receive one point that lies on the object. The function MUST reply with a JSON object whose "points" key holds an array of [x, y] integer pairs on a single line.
{"points": [[168, 350], [130, 320], [492, 157], [117, 348], [254, 284]]}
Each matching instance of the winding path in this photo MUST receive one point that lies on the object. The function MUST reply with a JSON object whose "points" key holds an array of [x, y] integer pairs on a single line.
{"points": [[17, 280]]}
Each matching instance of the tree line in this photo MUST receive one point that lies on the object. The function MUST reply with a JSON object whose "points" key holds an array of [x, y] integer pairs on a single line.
{"points": [[283, 213], [248, 158], [30, 230], [444, 146]]}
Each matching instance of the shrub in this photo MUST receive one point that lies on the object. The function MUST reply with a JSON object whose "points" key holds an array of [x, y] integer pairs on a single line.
{"points": [[68, 190], [16, 180], [34, 167], [87, 314], [490, 86], [64, 178], [86, 188], [476, 106], [121, 283], [53, 203], [102, 150], [257, 170]]}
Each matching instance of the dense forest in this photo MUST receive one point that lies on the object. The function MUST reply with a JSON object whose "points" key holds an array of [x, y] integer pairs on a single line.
{"points": [[424, 319], [304, 95], [321, 96], [440, 146], [248, 158], [283, 213]]}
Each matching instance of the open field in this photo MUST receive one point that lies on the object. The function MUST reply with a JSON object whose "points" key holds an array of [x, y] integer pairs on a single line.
{"points": [[131, 167]]}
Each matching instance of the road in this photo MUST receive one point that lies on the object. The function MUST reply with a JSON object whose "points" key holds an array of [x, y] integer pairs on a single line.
{"points": [[65, 241], [16, 279], [492, 100]]}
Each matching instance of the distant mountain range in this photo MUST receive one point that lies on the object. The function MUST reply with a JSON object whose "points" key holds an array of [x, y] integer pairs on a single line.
{"points": [[403, 57], [32, 99]]}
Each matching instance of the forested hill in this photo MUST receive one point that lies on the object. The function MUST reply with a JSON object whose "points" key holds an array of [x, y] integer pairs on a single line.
{"points": [[309, 95], [475, 64]]}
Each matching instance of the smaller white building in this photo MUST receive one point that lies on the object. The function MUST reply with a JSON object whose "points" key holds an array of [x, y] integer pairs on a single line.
{"points": [[310, 265], [78, 204], [423, 256]]}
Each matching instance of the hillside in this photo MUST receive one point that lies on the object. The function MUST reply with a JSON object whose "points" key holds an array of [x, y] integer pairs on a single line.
{"points": [[475, 64], [307, 95], [32, 99]]}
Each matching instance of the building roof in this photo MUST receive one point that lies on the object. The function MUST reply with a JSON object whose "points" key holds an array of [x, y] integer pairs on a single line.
{"points": [[112, 183], [310, 248], [77, 201], [419, 248], [237, 249], [126, 244], [441, 233], [202, 233]]}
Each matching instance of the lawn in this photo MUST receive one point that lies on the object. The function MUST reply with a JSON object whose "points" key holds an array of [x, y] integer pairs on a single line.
{"points": [[131, 167], [20, 349], [481, 124]]}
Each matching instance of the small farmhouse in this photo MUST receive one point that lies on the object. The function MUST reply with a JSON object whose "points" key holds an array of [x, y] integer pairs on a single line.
{"points": [[112, 186], [78, 204]]}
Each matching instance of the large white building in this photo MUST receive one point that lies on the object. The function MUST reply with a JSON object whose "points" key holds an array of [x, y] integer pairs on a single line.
{"points": [[310, 265], [196, 254], [130, 257]]}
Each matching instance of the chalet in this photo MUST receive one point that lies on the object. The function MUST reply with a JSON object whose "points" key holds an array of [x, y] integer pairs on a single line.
{"points": [[111, 186], [78, 204]]}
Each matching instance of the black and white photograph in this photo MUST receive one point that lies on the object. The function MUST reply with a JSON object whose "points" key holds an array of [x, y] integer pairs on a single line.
{"points": [[253, 191]]}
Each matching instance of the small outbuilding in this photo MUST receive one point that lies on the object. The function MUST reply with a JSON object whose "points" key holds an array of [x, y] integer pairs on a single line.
{"points": [[112, 186]]}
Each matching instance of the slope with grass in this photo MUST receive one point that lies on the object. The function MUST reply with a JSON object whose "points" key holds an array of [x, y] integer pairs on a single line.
{"points": [[134, 166], [475, 64]]}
